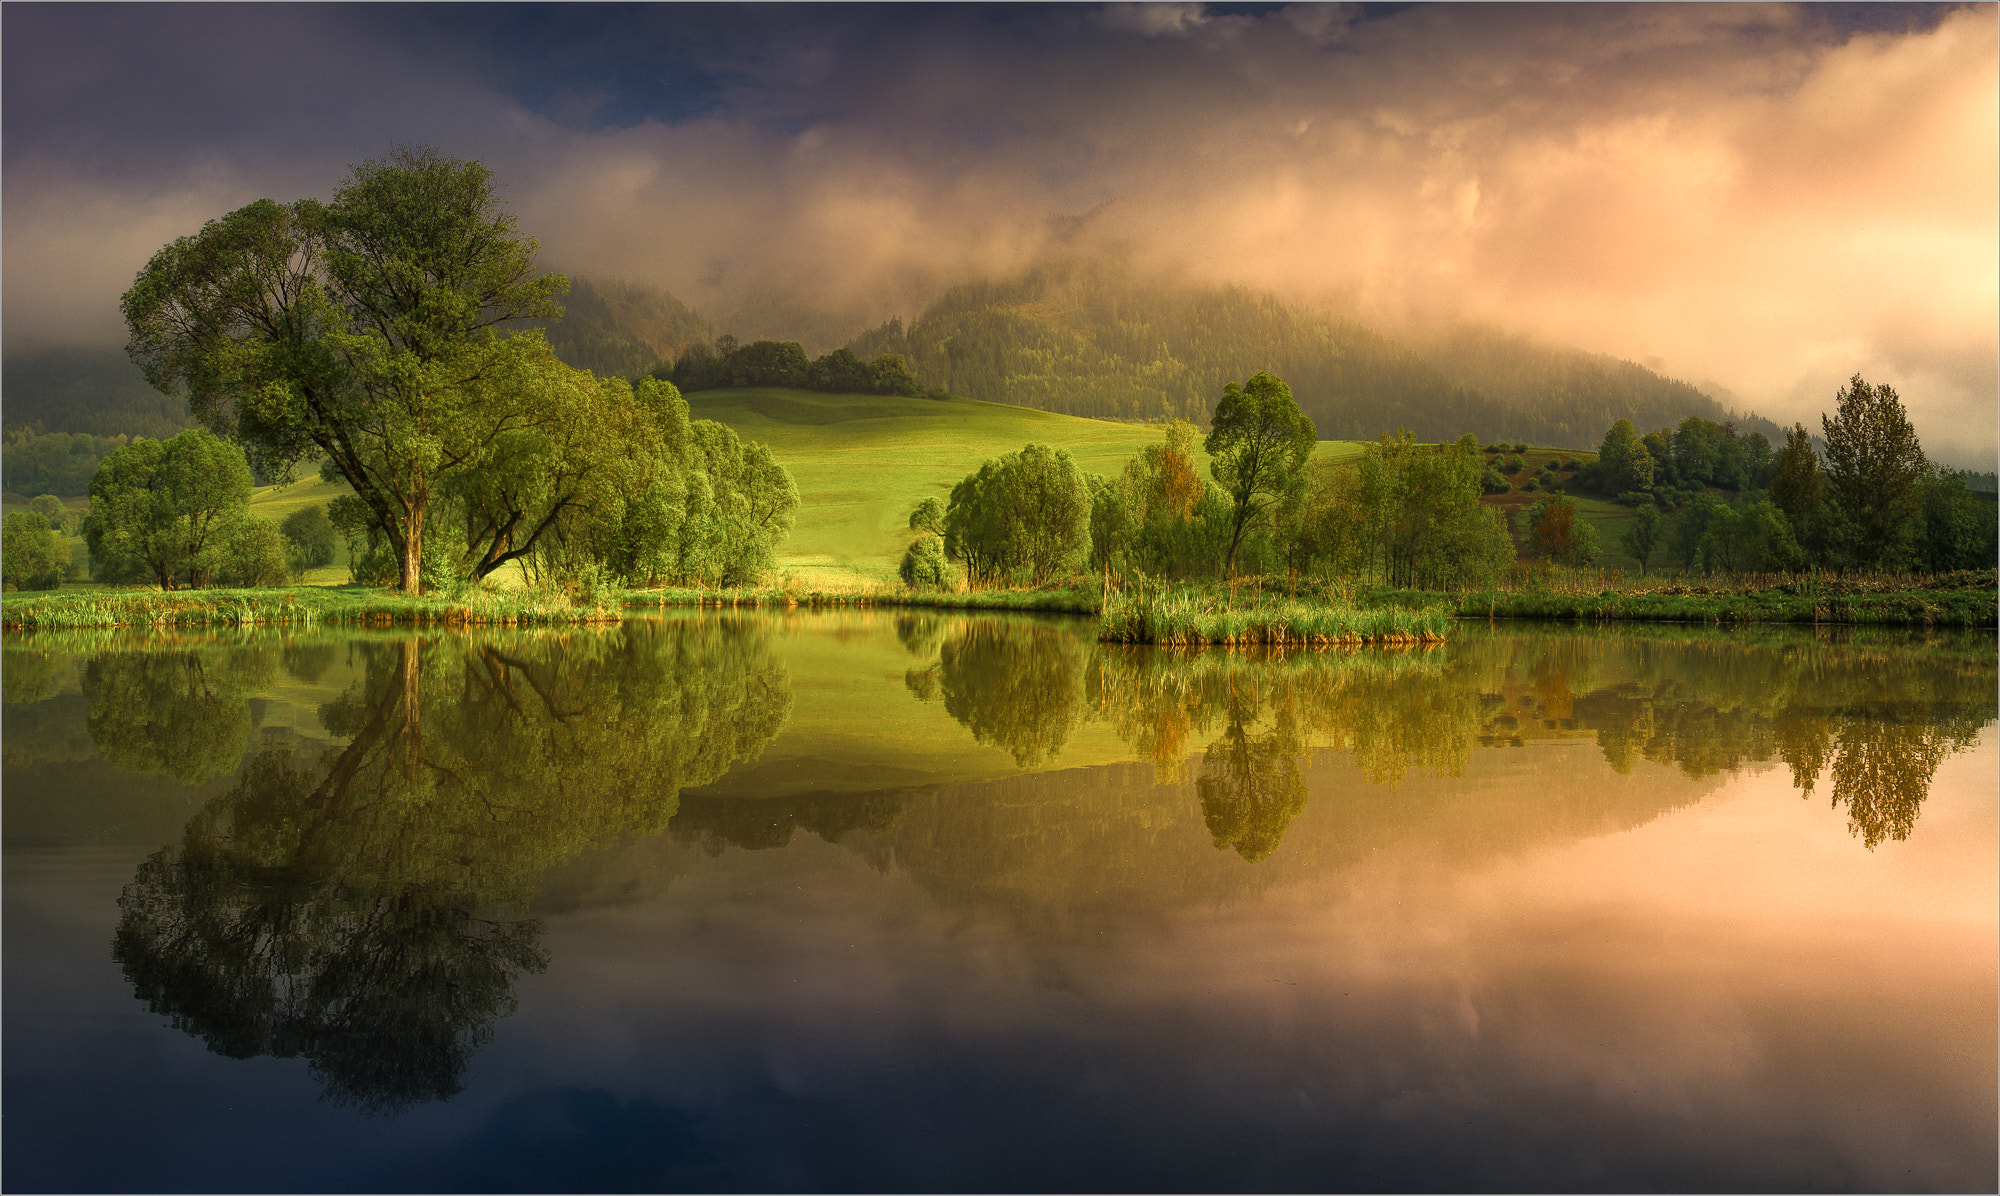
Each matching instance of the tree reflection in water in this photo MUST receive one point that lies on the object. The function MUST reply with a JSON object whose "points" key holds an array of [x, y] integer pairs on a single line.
{"points": [[1877, 712], [364, 908]]}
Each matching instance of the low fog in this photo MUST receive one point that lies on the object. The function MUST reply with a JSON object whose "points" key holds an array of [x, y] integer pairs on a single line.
{"points": [[1765, 199]]}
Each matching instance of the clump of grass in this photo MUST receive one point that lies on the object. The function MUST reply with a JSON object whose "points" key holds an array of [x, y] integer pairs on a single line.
{"points": [[296, 607], [1191, 617]]}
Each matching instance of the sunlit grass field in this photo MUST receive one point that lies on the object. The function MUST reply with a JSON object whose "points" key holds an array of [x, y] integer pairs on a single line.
{"points": [[862, 462]]}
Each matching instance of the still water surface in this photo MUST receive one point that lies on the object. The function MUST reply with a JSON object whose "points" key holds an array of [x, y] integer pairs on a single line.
{"points": [[907, 901]]}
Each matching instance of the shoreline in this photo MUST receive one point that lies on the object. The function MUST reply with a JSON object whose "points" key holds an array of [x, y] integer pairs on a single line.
{"points": [[1149, 613]]}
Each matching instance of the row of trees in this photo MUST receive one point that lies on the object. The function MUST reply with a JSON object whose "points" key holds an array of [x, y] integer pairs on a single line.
{"points": [[784, 363], [1409, 514], [388, 334], [1870, 499]]}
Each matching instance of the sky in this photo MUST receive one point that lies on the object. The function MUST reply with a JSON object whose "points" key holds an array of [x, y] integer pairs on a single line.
{"points": [[1767, 199]]}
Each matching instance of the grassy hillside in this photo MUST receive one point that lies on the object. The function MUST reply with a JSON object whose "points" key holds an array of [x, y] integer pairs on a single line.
{"points": [[862, 462]]}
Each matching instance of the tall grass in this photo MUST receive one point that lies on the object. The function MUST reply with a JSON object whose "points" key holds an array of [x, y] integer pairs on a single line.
{"points": [[1193, 616], [298, 607]]}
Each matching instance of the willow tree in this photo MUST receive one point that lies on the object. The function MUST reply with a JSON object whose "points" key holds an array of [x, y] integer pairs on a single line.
{"points": [[1258, 444], [372, 330]]}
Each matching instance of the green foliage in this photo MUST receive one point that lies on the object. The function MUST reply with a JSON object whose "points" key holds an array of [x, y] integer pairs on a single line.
{"points": [[928, 517], [184, 714], [1512, 465], [367, 330], [1556, 535], [1644, 535], [32, 557], [1493, 482], [1409, 515], [1026, 514], [1755, 537], [164, 511], [924, 566], [88, 402], [1623, 462], [1960, 527], [253, 554], [59, 463], [783, 364], [1257, 445], [1086, 338], [366, 906], [626, 329], [1157, 516], [1874, 472], [309, 538]]}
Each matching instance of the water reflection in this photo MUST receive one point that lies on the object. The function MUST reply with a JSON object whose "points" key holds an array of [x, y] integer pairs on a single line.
{"points": [[1877, 713], [362, 902], [363, 907], [1016, 685]]}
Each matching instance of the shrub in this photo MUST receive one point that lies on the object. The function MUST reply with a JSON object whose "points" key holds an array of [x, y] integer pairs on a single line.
{"points": [[1532, 484], [1494, 482], [924, 566], [252, 554], [308, 537], [1511, 465], [31, 555]]}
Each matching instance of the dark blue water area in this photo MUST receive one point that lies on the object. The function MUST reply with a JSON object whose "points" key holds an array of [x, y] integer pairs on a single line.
{"points": [[853, 1046]]}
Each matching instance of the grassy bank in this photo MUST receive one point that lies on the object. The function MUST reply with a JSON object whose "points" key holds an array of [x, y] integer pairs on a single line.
{"points": [[1194, 616], [1966, 599], [302, 606], [1248, 613]]}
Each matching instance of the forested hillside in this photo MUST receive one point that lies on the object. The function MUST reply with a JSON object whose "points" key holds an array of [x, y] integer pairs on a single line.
{"points": [[1084, 339], [622, 328], [96, 391]]}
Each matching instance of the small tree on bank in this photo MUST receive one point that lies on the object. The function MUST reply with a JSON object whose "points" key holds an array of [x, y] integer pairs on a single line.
{"points": [[32, 556], [1258, 444]]}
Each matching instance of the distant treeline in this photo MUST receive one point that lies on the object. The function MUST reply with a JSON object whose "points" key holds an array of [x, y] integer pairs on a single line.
{"points": [[98, 392], [625, 329], [1084, 339], [59, 463], [784, 363]]}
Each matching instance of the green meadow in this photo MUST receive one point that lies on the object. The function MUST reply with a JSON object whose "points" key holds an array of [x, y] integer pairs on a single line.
{"points": [[863, 462]]}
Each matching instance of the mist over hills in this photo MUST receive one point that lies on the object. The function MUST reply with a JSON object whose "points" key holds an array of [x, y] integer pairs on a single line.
{"points": [[1076, 336]]}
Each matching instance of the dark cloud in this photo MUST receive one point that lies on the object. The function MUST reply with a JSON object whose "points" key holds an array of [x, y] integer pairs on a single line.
{"points": [[1773, 197]]}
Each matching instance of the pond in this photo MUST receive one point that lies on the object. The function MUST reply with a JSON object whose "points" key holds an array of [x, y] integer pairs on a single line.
{"points": [[907, 900]]}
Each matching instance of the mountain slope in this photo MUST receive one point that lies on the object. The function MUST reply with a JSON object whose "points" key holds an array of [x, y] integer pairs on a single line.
{"points": [[1084, 339]]}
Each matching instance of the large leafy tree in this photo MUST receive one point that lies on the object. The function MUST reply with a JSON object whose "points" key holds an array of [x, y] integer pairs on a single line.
{"points": [[1874, 471], [1026, 512], [1258, 444], [165, 510], [372, 330]]}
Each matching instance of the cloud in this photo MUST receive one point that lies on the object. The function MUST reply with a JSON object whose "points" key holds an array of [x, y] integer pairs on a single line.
{"points": [[1749, 194]]}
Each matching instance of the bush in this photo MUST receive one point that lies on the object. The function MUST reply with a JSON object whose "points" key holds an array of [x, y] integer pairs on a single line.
{"points": [[1635, 498], [1571, 464], [308, 537], [1532, 484], [1494, 482], [924, 566], [1512, 465], [32, 557], [253, 555]]}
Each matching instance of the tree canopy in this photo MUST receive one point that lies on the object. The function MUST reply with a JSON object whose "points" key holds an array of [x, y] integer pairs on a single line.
{"points": [[1258, 443], [370, 330]]}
